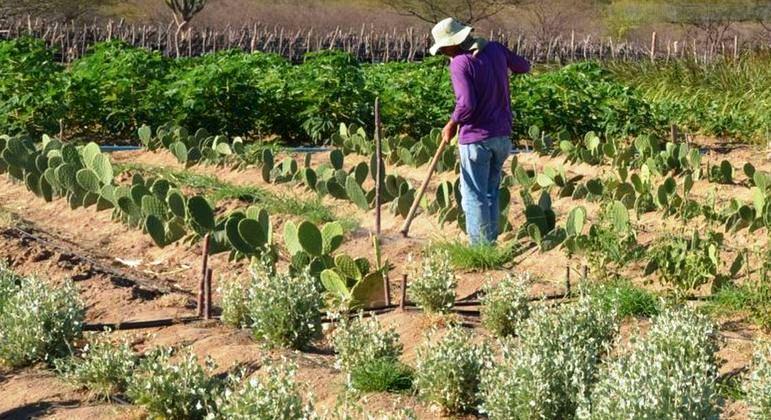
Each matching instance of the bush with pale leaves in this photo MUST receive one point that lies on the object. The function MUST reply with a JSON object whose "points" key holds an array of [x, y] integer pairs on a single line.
{"points": [[670, 373], [759, 383], [506, 304], [433, 285], [360, 340]]}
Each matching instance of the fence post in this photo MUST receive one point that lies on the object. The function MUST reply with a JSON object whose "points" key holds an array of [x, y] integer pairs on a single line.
{"points": [[403, 301], [204, 272], [653, 46], [379, 168]]}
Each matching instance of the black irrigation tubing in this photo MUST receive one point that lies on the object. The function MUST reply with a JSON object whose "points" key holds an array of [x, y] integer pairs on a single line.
{"points": [[139, 325], [97, 266]]}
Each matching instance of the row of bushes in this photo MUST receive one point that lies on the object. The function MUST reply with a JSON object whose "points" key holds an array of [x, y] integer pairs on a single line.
{"points": [[116, 88]]}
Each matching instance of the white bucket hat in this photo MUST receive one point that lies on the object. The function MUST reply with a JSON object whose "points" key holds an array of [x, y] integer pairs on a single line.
{"points": [[447, 33]]}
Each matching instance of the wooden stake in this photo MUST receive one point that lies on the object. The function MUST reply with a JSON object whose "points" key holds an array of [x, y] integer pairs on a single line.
{"points": [[204, 271], [567, 280], [379, 168], [207, 302], [585, 273], [431, 168], [387, 289], [403, 301]]}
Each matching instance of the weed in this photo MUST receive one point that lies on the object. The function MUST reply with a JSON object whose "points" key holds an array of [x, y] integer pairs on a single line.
{"points": [[285, 310], [381, 375], [433, 285], [759, 383], [275, 395], [670, 373], [174, 390], [686, 263], [102, 367], [360, 341], [626, 299], [550, 369], [39, 321], [505, 305], [476, 257], [752, 299], [447, 370]]}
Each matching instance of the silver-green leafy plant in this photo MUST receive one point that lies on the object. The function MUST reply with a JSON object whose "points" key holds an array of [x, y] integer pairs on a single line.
{"points": [[505, 304], [759, 383], [549, 370], [285, 309], [102, 367], [39, 321], [360, 340], [447, 369], [670, 373], [433, 284], [274, 395], [179, 388], [233, 292]]}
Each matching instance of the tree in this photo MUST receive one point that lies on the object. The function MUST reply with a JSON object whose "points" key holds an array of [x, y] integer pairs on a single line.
{"points": [[184, 11], [432, 11]]}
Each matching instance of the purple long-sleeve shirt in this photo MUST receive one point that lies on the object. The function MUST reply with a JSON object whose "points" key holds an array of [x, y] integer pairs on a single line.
{"points": [[482, 99]]}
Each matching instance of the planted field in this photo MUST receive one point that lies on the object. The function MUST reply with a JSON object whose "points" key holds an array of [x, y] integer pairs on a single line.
{"points": [[631, 279]]}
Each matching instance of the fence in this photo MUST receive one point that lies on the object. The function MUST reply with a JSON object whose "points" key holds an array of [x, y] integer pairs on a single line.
{"points": [[72, 40]]}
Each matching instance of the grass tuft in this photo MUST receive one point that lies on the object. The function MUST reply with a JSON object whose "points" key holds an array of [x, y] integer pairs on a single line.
{"points": [[625, 298], [478, 257], [382, 375]]}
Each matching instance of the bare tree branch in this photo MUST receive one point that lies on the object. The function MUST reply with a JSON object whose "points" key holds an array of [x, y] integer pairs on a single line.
{"points": [[432, 11]]}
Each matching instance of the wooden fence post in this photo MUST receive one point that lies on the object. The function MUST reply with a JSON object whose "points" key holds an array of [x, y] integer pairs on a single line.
{"points": [[379, 168], [403, 301], [204, 272]]}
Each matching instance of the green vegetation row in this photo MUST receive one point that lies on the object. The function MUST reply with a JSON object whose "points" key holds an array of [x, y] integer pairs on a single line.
{"points": [[116, 88]]}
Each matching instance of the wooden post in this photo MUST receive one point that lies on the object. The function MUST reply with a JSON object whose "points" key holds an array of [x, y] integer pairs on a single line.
{"points": [[567, 280], [207, 302], [387, 289], [403, 301], [736, 47], [379, 163], [653, 46], [585, 273], [204, 272]]}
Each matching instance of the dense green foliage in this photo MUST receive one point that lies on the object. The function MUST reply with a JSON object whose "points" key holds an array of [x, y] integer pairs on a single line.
{"points": [[116, 89]]}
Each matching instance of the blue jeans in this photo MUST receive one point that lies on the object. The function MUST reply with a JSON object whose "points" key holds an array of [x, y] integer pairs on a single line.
{"points": [[480, 179]]}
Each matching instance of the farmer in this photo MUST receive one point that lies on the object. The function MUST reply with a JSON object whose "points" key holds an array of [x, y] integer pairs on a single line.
{"points": [[480, 77]]}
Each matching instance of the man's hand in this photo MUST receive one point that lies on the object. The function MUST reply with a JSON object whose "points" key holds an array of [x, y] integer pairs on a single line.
{"points": [[449, 130]]}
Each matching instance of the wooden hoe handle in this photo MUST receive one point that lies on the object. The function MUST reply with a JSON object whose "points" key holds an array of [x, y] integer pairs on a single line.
{"points": [[432, 167]]}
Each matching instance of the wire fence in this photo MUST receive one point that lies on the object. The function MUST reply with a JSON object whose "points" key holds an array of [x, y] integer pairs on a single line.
{"points": [[72, 40]]}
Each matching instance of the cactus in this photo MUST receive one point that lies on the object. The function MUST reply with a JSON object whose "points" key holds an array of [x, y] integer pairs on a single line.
{"points": [[89, 152], [291, 239], [160, 188], [575, 222], [251, 232], [106, 198], [619, 216], [360, 173], [336, 158], [309, 178], [154, 227], [356, 194], [152, 205], [66, 176], [88, 180], [348, 267], [179, 150], [332, 236], [145, 134], [200, 214], [310, 238], [101, 165], [176, 203], [336, 190], [726, 172], [234, 236]]}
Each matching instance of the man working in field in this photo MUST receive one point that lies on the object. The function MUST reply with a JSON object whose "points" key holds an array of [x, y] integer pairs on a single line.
{"points": [[480, 78]]}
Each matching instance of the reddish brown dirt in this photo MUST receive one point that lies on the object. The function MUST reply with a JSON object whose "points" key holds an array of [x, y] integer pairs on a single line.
{"points": [[85, 233]]}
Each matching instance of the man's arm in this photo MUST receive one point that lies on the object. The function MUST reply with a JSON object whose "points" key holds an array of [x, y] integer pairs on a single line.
{"points": [[517, 63]]}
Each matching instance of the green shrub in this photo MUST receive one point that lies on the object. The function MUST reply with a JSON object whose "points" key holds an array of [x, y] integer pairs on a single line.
{"points": [[31, 88], [686, 263], [328, 89], [229, 92], [381, 375], [433, 285], [670, 373], [39, 321], [104, 368], [179, 389], [550, 369], [276, 395], [116, 88], [285, 309], [447, 369], [476, 257], [505, 304], [361, 340], [759, 384]]}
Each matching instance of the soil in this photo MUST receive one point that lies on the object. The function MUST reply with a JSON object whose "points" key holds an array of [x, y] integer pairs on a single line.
{"points": [[122, 276]]}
